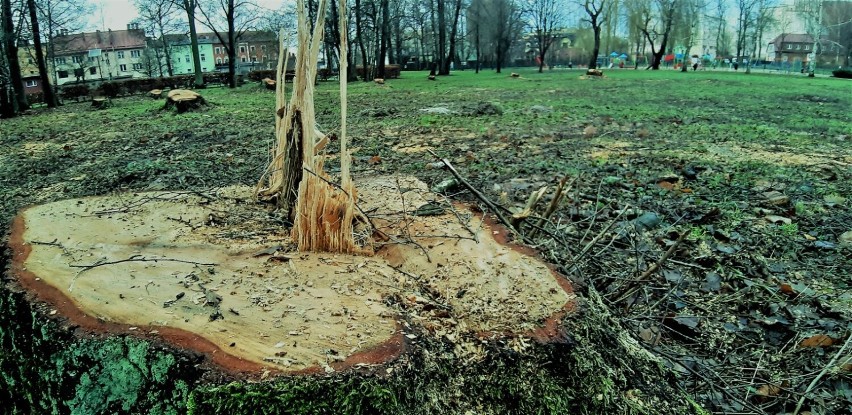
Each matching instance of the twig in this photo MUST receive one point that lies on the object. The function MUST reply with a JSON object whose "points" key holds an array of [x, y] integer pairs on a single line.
{"points": [[554, 203], [134, 258], [652, 269], [476, 193], [822, 373], [594, 240]]}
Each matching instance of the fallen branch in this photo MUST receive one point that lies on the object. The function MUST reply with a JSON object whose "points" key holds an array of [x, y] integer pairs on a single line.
{"points": [[628, 291], [475, 192], [822, 373]]}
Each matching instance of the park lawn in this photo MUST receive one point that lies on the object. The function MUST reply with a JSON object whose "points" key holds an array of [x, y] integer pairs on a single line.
{"points": [[699, 153]]}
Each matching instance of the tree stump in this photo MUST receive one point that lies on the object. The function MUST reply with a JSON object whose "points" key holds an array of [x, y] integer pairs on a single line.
{"points": [[268, 83], [380, 81], [100, 103], [594, 72], [431, 77], [515, 75], [155, 93], [184, 100]]}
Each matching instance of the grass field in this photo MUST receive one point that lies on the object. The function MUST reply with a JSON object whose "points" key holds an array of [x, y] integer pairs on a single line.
{"points": [[755, 169]]}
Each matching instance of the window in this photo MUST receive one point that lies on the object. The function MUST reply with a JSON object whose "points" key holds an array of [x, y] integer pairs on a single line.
{"points": [[807, 47], [91, 59], [135, 53], [218, 61], [76, 59], [243, 59], [263, 58], [218, 51], [188, 70], [120, 54], [106, 55], [251, 49], [137, 66], [203, 58], [59, 61], [254, 59], [263, 48], [32, 83], [186, 58], [93, 70], [122, 67], [789, 46], [30, 61], [242, 49], [226, 60], [62, 74]]}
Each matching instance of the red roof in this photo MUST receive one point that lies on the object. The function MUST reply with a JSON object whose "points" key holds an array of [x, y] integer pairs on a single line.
{"points": [[792, 38], [111, 39]]}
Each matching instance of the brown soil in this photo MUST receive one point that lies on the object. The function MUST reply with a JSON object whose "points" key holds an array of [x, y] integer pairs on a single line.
{"points": [[216, 274]]}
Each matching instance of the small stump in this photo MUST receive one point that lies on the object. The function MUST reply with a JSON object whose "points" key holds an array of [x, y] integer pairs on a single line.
{"points": [[268, 83], [100, 103], [155, 93], [380, 81], [515, 75], [184, 100], [594, 72]]}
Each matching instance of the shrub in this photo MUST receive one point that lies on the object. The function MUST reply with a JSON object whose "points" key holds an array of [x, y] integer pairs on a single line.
{"points": [[35, 98], [257, 76], [111, 89], [842, 73], [75, 91]]}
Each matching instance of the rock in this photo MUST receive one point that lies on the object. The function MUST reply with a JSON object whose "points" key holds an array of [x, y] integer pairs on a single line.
{"points": [[845, 239], [540, 109], [483, 108], [438, 111], [776, 198], [647, 221], [377, 112]]}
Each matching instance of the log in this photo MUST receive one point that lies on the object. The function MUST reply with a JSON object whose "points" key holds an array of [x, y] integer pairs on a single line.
{"points": [[100, 103], [184, 100], [155, 93]]}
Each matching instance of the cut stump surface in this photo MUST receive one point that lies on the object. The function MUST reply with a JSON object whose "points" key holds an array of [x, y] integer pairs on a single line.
{"points": [[184, 100], [213, 274]]}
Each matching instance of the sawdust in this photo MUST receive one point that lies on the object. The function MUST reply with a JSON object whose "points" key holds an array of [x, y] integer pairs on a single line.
{"points": [[222, 267]]}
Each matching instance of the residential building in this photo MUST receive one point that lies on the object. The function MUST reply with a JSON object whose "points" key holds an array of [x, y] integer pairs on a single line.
{"points": [[791, 48], [29, 69], [100, 56], [255, 50], [180, 51]]}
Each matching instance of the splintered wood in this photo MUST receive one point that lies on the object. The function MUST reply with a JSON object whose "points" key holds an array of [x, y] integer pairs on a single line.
{"points": [[322, 212]]}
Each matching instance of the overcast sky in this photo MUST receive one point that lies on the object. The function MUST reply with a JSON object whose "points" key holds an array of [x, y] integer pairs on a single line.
{"points": [[116, 14]]}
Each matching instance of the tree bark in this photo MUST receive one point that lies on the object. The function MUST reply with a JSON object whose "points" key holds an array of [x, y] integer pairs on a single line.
{"points": [[445, 69], [360, 34], [20, 98], [384, 39], [49, 95], [232, 42], [189, 6]]}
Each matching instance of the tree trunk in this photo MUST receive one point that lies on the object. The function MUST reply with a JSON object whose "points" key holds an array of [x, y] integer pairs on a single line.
{"points": [[441, 52], [384, 39], [49, 95], [445, 69], [232, 41], [593, 61], [189, 6], [360, 34], [11, 48], [169, 69]]}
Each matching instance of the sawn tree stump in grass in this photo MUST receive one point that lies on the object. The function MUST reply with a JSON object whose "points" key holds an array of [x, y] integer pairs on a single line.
{"points": [[268, 83], [155, 93], [184, 100], [100, 103]]}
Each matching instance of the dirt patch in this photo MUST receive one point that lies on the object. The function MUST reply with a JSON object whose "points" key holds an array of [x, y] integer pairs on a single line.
{"points": [[217, 274]]}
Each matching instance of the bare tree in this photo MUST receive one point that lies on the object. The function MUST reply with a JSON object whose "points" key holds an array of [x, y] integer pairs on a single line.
{"points": [[507, 20], [57, 17], [10, 39], [546, 16], [656, 24], [237, 16], [49, 93], [189, 7], [160, 18], [595, 10]]}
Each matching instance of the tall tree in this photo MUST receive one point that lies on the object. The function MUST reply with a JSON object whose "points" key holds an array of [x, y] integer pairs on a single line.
{"points": [[453, 38], [159, 16], [476, 13], [189, 7], [360, 33], [507, 22], [236, 16], [10, 39], [57, 17], [595, 10], [49, 93], [657, 22], [546, 16]]}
